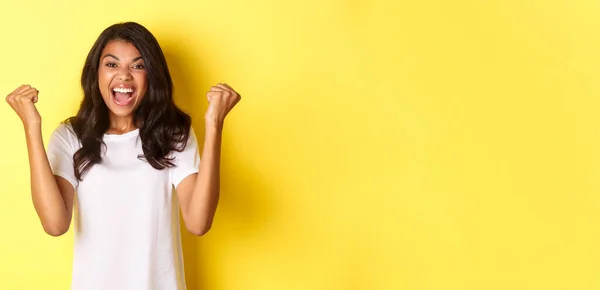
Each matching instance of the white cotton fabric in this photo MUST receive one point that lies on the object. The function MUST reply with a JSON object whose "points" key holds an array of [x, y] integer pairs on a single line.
{"points": [[126, 214]]}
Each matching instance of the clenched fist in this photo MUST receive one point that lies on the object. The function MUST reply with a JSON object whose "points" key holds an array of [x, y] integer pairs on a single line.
{"points": [[222, 99], [22, 100]]}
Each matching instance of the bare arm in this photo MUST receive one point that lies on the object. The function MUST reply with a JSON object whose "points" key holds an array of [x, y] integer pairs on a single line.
{"points": [[199, 193], [52, 196]]}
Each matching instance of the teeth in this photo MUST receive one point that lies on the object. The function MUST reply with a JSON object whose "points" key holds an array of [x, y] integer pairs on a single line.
{"points": [[123, 90]]}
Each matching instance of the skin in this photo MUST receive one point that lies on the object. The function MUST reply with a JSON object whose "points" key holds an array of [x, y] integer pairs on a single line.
{"points": [[121, 65], [52, 195]]}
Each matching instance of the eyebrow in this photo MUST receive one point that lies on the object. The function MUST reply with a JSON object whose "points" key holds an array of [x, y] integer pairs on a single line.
{"points": [[113, 56]]}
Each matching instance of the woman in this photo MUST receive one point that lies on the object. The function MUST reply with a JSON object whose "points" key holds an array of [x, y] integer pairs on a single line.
{"points": [[120, 158]]}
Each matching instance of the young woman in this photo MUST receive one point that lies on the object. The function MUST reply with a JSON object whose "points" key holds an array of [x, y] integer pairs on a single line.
{"points": [[118, 161]]}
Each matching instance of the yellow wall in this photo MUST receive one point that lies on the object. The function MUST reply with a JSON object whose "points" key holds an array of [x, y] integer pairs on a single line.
{"points": [[379, 144]]}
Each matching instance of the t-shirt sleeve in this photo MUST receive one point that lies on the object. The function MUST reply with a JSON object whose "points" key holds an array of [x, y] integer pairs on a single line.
{"points": [[60, 154], [186, 162]]}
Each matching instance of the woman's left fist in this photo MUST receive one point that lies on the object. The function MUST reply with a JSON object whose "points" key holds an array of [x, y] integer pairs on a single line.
{"points": [[221, 98]]}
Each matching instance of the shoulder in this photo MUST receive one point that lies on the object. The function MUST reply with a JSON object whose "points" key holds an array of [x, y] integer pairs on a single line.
{"points": [[64, 130], [191, 139], [185, 145], [185, 140], [65, 134]]}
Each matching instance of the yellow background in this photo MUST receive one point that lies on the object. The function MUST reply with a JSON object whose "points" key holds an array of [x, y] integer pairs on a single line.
{"points": [[379, 144]]}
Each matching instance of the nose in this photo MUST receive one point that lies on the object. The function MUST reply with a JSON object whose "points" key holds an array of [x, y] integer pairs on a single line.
{"points": [[124, 75]]}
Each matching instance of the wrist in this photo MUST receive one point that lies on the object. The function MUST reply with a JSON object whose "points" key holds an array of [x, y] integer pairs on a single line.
{"points": [[32, 126], [33, 131], [214, 125]]}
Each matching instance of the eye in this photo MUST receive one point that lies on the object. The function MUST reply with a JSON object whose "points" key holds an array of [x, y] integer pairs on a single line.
{"points": [[139, 66], [111, 64]]}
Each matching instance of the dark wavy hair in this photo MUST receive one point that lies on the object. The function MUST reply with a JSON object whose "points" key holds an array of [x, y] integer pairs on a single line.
{"points": [[163, 127]]}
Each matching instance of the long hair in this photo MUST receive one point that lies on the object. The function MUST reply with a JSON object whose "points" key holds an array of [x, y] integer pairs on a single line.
{"points": [[163, 127]]}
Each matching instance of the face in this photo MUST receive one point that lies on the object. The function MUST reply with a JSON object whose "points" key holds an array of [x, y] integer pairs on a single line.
{"points": [[122, 78]]}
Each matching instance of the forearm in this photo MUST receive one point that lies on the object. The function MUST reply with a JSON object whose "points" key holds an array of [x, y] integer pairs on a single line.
{"points": [[205, 194], [47, 199]]}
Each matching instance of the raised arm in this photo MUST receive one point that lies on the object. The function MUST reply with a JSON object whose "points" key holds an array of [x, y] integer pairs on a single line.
{"points": [[199, 193], [52, 195]]}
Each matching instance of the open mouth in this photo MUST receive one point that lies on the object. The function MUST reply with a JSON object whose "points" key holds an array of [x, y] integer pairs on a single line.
{"points": [[123, 96]]}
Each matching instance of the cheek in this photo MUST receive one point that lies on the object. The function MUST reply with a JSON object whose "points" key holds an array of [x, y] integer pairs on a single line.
{"points": [[103, 78], [142, 81]]}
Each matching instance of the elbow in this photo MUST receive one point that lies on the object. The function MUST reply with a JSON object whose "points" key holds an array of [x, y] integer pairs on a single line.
{"points": [[56, 229], [199, 229]]}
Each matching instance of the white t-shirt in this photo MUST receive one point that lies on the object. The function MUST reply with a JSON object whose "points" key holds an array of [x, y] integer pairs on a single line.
{"points": [[126, 215]]}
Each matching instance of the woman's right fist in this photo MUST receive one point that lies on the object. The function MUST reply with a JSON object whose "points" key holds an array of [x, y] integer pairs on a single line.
{"points": [[22, 100]]}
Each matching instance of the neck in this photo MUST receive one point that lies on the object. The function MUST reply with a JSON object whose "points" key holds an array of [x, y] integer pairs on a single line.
{"points": [[120, 125]]}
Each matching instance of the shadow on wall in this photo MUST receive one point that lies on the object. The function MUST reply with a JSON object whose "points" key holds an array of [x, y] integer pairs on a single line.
{"points": [[244, 207]]}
